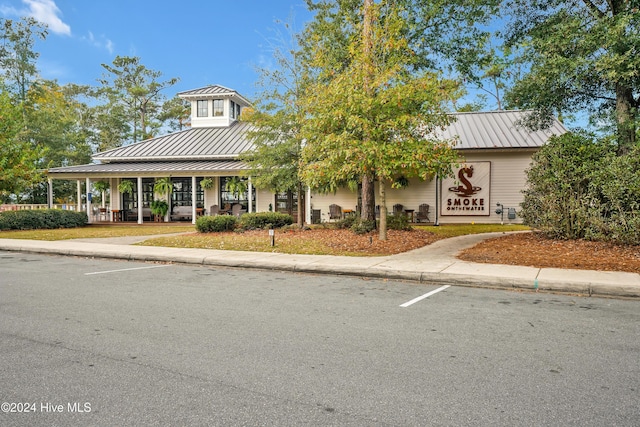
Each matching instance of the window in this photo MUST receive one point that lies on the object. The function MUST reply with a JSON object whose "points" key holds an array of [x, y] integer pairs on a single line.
{"points": [[203, 108], [232, 109], [218, 107], [287, 202], [228, 198], [181, 194]]}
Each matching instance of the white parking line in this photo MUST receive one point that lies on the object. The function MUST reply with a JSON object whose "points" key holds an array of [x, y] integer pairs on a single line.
{"points": [[427, 295], [124, 269]]}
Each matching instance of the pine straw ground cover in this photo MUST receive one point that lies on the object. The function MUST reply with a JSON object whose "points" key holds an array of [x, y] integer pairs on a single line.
{"points": [[316, 241], [533, 249]]}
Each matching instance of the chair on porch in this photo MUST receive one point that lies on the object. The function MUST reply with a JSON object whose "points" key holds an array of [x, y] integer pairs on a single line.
{"points": [[398, 209], [214, 210], [423, 213], [103, 214], [335, 212], [236, 210]]}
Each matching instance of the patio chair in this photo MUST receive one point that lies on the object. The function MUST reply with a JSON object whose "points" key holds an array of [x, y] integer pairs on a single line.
{"points": [[423, 213], [335, 212], [213, 210], [236, 210], [398, 209]]}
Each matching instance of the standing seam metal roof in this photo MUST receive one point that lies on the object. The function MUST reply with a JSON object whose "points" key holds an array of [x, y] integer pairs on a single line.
{"points": [[497, 129], [214, 90], [194, 143]]}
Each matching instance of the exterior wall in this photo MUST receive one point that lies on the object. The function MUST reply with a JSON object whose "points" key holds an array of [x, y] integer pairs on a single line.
{"points": [[344, 198], [263, 199], [507, 181], [210, 121]]}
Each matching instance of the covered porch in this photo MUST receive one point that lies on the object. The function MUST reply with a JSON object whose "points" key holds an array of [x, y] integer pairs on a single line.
{"points": [[128, 189]]}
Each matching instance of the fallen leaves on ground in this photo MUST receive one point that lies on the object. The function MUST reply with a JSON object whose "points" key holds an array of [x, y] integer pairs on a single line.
{"points": [[318, 241], [533, 249]]}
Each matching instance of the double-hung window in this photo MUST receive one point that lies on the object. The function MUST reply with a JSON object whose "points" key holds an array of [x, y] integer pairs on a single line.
{"points": [[218, 108], [203, 108]]}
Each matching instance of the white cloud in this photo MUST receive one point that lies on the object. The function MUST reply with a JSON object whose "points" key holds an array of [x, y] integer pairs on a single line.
{"points": [[47, 12], [101, 42]]}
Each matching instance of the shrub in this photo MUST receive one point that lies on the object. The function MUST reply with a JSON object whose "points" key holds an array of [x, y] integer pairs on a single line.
{"points": [[347, 222], [41, 219], [578, 188], [398, 222], [262, 220], [362, 226], [208, 224]]}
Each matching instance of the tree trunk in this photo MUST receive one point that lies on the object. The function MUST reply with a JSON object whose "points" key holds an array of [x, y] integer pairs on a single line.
{"points": [[625, 118], [301, 206], [368, 192], [368, 199], [383, 210]]}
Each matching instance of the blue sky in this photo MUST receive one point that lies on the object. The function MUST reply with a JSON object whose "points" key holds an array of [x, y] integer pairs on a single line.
{"points": [[201, 42]]}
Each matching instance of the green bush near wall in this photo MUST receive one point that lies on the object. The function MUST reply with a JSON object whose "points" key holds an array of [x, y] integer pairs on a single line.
{"points": [[42, 219], [218, 223], [263, 220]]}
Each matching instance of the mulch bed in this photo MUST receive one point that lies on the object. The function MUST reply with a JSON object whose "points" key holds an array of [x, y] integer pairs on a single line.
{"points": [[533, 249]]}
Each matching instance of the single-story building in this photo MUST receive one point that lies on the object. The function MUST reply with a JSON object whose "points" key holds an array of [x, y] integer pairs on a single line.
{"points": [[495, 148]]}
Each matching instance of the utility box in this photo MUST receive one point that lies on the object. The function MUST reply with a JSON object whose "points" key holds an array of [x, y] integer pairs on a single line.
{"points": [[512, 213]]}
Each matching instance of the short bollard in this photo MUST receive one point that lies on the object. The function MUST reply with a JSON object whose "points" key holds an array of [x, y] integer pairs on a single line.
{"points": [[272, 236]]}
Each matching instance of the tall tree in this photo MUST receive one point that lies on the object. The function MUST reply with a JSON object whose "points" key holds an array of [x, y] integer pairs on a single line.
{"points": [[583, 54], [277, 121], [18, 159], [136, 88], [377, 117], [437, 33], [17, 57], [176, 113], [54, 123]]}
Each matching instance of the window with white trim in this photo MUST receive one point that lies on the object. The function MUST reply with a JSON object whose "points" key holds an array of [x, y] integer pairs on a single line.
{"points": [[218, 108], [203, 108]]}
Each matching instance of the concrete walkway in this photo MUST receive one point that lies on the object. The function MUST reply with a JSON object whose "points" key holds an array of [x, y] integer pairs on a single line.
{"points": [[435, 264]]}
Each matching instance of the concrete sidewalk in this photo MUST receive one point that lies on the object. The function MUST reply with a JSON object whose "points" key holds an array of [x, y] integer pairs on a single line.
{"points": [[434, 264]]}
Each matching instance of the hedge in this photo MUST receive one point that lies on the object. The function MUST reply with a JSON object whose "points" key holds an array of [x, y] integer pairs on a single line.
{"points": [[42, 219], [208, 224], [262, 220]]}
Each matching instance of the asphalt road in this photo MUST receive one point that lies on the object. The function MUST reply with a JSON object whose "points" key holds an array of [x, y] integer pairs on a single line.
{"points": [[98, 342]]}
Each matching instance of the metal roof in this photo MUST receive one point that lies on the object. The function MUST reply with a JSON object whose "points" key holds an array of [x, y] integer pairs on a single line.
{"points": [[497, 129], [204, 166], [213, 92], [196, 143]]}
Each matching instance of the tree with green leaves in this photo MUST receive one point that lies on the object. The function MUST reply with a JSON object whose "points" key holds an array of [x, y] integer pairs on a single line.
{"points": [[376, 117], [583, 54], [134, 89], [437, 34], [54, 125], [18, 159], [17, 56], [176, 113], [277, 120]]}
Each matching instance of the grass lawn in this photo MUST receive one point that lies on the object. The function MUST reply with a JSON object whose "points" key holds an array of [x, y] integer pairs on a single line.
{"points": [[322, 240], [95, 231]]}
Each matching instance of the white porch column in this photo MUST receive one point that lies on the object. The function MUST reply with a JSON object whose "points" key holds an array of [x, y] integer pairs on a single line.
{"points": [[79, 195], [139, 200], [88, 189], [193, 199], [307, 207], [250, 208], [50, 193]]}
